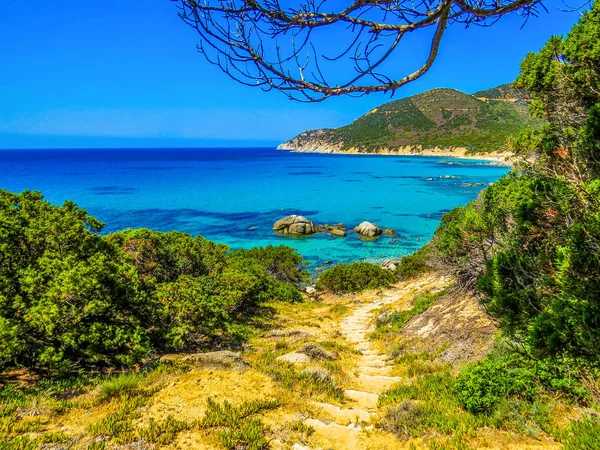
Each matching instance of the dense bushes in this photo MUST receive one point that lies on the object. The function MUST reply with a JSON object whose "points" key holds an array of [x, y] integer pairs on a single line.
{"points": [[70, 297], [354, 277], [413, 265], [530, 242]]}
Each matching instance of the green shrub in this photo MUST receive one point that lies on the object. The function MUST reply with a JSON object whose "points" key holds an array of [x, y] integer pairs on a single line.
{"points": [[66, 295], [414, 265], [71, 298], [354, 277], [481, 386], [163, 257], [281, 262], [119, 385], [583, 434]]}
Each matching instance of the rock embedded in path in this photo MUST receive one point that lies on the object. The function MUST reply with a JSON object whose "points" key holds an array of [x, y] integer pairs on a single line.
{"points": [[368, 229], [298, 225], [317, 353], [222, 360], [295, 358]]}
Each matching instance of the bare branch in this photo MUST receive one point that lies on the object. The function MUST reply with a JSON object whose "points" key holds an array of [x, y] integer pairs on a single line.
{"points": [[290, 48]]}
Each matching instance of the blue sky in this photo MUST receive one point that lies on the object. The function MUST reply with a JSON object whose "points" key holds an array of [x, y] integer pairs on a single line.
{"points": [[127, 74]]}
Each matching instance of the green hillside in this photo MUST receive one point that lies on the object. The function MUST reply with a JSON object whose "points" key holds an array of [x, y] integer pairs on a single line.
{"points": [[436, 118]]}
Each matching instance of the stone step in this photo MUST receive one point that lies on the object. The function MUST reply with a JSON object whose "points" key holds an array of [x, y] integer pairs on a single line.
{"points": [[372, 363], [365, 345], [365, 399], [297, 446], [366, 370], [375, 383], [345, 416], [334, 430]]}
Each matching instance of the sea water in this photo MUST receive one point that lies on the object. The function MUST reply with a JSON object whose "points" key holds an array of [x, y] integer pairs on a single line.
{"points": [[234, 195]]}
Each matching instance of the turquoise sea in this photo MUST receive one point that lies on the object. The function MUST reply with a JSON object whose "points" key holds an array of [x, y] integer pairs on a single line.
{"points": [[234, 195]]}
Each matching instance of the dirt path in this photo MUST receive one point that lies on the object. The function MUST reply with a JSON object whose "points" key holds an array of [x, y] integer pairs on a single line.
{"points": [[352, 425]]}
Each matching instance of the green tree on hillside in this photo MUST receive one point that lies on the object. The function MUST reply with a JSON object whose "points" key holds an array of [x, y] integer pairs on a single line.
{"points": [[536, 235]]}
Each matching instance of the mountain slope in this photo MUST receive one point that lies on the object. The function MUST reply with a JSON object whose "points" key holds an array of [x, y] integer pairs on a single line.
{"points": [[444, 118]]}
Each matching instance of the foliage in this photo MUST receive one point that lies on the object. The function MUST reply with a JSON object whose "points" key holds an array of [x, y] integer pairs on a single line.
{"points": [[505, 374], [530, 242], [414, 265], [70, 297], [583, 434], [164, 257], [393, 323], [436, 118], [65, 293], [281, 262], [481, 386], [354, 277]]}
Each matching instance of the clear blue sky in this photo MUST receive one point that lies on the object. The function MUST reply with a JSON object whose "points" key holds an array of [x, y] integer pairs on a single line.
{"points": [[116, 73]]}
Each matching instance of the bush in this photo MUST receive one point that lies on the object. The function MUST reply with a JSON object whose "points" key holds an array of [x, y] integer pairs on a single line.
{"points": [[66, 295], [413, 265], [281, 262], [481, 386], [354, 277], [163, 257], [71, 298], [503, 374]]}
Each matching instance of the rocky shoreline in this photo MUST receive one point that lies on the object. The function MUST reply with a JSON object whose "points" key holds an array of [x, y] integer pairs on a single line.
{"points": [[497, 158]]}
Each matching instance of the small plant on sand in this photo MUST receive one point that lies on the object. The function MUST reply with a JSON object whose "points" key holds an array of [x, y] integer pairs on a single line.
{"points": [[164, 432], [315, 381], [393, 323], [236, 429], [121, 385]]}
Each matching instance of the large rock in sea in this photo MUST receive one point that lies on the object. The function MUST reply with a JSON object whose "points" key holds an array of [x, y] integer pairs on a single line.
{"points": [[295, 225], [368, 229]]}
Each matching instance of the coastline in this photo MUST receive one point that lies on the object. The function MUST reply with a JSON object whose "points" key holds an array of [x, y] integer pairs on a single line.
{"points": [[498, 158]]}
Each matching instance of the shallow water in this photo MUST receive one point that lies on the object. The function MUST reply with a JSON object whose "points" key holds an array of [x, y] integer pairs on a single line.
{"points": [[233, 196]]}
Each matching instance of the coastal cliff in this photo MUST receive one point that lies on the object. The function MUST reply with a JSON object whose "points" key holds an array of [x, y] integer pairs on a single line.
{"points": [[439, 122]]}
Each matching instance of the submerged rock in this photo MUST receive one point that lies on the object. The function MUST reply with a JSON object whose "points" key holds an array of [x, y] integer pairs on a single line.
{"points": [[389, 232], [294, 224], [368, 229], [338, 230]]}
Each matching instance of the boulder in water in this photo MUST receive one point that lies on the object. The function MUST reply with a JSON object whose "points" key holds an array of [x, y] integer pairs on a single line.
{"points": [[294, 224], [368, 229]]}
